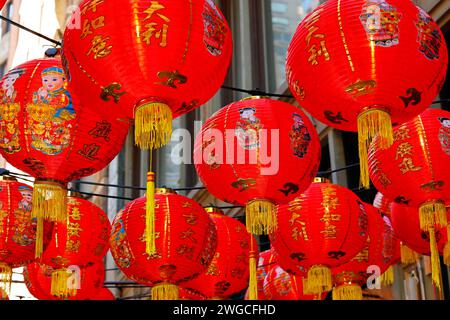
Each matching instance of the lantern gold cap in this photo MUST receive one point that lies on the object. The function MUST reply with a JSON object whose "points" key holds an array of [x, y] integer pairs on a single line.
{"points": [[254, 98], [75, 194], [212, 209], [321, 180], [165, 191]]}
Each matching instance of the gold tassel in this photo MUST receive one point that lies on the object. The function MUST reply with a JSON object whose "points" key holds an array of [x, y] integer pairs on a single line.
{"points": [[435, 261], [370, 123], [5, 277], [407, 255], [319, 280], [165, 291], [348, 292], [59, 284], [253, 282], [432, 214], [387, 278], [447, 248], [39, 237], [3, 295], [261, 217], [153, 125], [150, 232]]}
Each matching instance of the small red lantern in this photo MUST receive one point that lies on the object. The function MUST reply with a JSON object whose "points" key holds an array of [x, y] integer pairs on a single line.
{"points": [[323, 228], [349, 49], [48, 132], [186, 243], [228, 272], [82, 241], [87, 282], [234, 148], [414, 171], [280, 285]]}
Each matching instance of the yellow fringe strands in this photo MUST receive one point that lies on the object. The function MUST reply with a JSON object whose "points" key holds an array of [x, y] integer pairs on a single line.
{"points": [[5, 277], [253, 282], [39, 237], [150, 232], [370, 123], [447, 248], [3, 295], [387, 278], [261, 217], [407, 255], [153, 125], [60, 287], [347, 292], [319, 280], [435, 262], [432, 214], [165, 291]]}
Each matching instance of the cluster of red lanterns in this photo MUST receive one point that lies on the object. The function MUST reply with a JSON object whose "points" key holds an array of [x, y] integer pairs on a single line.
{"points": [[65, 117]]}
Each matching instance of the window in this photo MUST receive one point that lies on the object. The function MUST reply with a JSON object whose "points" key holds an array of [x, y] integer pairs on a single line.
{"points": [[279, 7]]}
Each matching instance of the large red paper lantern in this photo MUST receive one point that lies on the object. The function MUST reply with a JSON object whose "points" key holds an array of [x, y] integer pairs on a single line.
{"points": [[185, 244], [228, 272], [82, 241], [87, 282], [280, 285], [326, 226], [234, 148], [414, 171], [380, 252], [48, 132], [377, 61]]}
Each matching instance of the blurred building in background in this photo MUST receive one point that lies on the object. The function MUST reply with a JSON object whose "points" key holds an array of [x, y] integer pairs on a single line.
{"points": [[262, 30]]}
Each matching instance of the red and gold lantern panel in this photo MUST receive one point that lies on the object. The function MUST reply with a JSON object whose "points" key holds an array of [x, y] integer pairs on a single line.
{"points": [[159, 78], [186, 242], [228, 272], [251, 146]]}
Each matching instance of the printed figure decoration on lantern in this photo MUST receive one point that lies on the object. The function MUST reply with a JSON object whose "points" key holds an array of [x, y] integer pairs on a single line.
{"points": [[256, 171], [17, 228], [228, 272], [81, 241], [280, 285], [413, 171], [326, 226], [186, 243], [379, 253], [48, 132], [167, 43], [359, 43], [86, 283]]}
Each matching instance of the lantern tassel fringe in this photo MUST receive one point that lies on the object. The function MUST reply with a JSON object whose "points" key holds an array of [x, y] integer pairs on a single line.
{"points": [[165, 291], [39, 237], [387, 278], [407, 255], [319, 280], [432, 214], [347, 292], [371, 123], [150, 232], [153, 125], [435, 262], [60, 284], [261, 217], [5, 277], [253, 282], [49, 201], [447, 248]]}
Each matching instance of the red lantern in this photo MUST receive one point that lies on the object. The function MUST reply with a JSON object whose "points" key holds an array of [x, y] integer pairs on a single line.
{"points": [[350, 50], [323, 228], [46, 131], [104, 294], [87, 282], [233, 148], [185, 244], [414, 171], [80, 242], [379, 254], [228, 272], [280, 285]]}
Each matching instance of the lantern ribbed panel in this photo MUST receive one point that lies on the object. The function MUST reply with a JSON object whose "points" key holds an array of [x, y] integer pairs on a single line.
{"points": [[176, 53], [228, 272], [185, 244], [351, 50]]}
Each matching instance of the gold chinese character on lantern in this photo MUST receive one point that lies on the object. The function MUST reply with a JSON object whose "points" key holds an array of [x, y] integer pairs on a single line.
{"points": [[407, 165], [299, 232], [100, 48], [90, 25], [157, 30], [403, 150], [91, 6], [317, 48], [329, 231], [73, 229], [73, 245], [402, 133], [75, 214]]}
